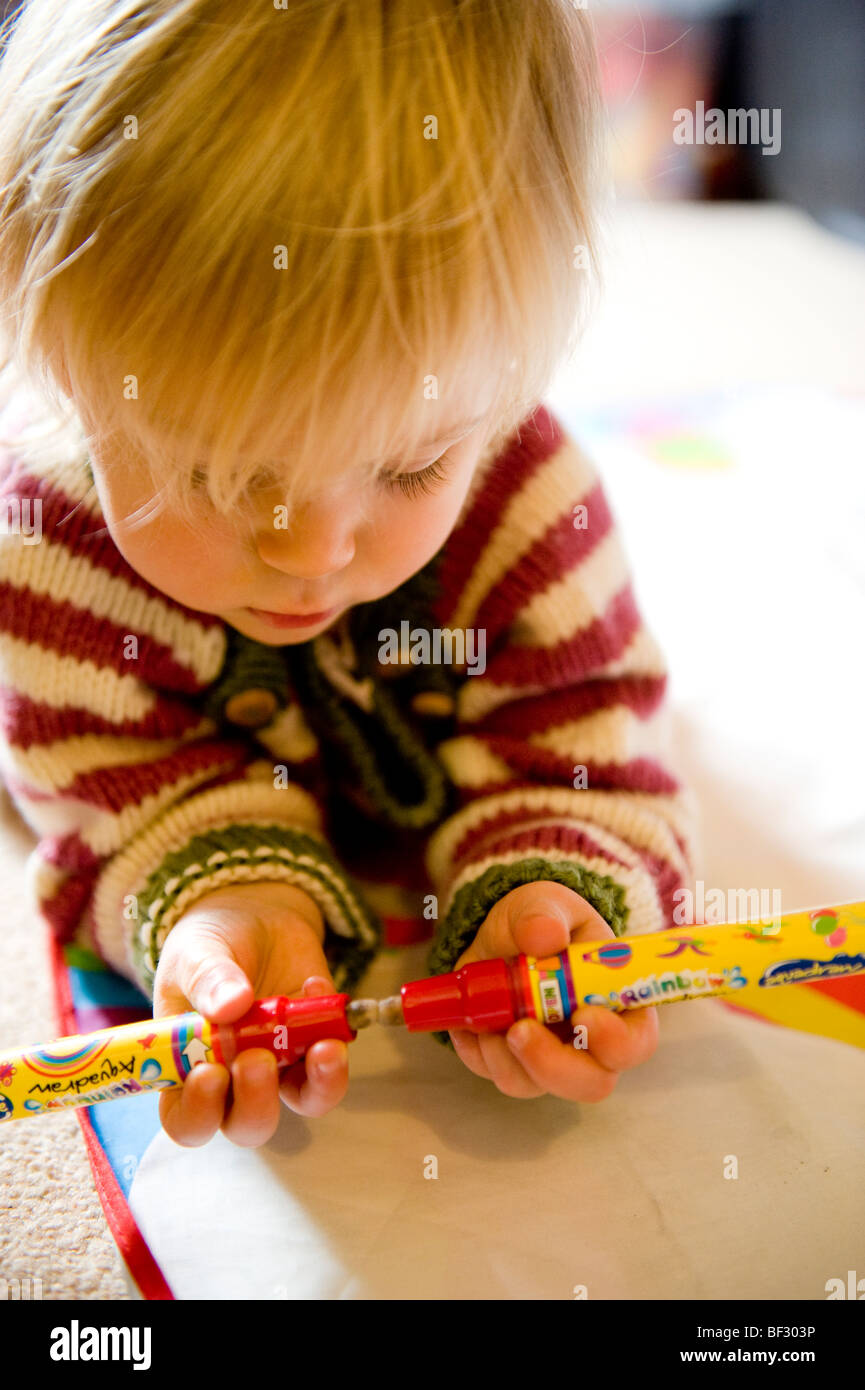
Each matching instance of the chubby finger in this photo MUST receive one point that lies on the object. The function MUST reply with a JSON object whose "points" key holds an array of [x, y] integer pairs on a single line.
{"points": [[254, 1113], [192, 1113], [564, 1071], [618, 1041], [487, 1056], [319, 1082], [468, 1049], [506, 1071]]}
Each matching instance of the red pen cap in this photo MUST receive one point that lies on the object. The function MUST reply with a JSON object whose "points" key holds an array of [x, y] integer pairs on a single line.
{"points": [[478, 997], [305, 1022]]}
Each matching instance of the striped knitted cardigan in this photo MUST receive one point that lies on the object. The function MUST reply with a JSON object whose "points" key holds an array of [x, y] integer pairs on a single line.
{"points": [[126, 743]]}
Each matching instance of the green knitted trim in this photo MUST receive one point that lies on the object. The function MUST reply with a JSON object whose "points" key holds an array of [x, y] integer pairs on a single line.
{"points": [[474, 900], [352, 962], [429, 770], [247, 665], [267, 847], [371, 741]]}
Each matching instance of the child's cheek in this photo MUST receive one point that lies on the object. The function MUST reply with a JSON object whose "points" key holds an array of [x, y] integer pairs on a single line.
{"points": [[202, 569]]}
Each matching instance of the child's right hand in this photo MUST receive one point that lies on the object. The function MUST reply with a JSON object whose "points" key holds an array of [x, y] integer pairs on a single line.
{"points": [[235, 945]]}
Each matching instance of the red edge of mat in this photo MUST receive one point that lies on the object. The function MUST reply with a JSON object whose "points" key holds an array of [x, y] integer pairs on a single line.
{"points": [[136, 1253]]}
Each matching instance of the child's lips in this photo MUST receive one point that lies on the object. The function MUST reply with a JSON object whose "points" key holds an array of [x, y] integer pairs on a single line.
{"points": [[292, 619]]}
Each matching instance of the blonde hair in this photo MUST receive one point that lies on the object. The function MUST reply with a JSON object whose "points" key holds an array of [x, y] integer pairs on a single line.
{"points": [[246, 224]]}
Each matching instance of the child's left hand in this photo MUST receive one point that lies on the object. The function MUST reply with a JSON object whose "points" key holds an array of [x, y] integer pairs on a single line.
{"points": [[541, 919]]}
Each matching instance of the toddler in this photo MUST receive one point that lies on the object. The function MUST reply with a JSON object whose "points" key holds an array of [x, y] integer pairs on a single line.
{"points": [[325, 616]]}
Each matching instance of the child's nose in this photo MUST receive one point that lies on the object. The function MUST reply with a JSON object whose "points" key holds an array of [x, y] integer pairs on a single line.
{"points": [[316, 540]]}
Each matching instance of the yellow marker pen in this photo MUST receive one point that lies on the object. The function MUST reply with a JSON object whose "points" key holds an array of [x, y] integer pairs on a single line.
{"points": [[632, 972]]}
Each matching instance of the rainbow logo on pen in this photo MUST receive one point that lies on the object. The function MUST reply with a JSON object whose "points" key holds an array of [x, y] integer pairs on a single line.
{"points": [[58, 1060], [69, 1057]]}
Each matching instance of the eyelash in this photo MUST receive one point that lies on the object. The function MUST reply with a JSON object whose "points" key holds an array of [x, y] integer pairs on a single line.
{"points": [[410, 484], [414, 484]]}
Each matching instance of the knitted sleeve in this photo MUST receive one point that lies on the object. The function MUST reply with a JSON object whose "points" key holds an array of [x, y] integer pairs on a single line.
{"points": [[559, 753], [141, 799]]}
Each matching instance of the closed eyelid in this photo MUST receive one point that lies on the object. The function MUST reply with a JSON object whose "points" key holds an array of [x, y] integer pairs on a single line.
{"points": [[459, 439], [422, 480], [407, 472]]}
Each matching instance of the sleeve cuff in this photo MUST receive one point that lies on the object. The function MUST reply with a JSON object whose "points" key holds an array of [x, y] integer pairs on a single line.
{"points": [[132, 940], [474, 900]]}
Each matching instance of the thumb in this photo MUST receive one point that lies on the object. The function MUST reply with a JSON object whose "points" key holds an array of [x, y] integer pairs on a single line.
{"points": [[208, 979], [529, 918], [538, 922], [538, 918]]}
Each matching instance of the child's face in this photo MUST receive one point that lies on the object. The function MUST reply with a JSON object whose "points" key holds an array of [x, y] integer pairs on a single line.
{"points": [[350, 545]]}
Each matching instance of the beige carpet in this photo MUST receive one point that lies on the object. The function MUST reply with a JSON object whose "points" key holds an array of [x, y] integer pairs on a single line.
{"points": [[52, 1227]]}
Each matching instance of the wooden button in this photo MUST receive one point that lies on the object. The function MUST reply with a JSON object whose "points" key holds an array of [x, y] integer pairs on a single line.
{"points": [[433, 703], [251, 708], [389, 670]]}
